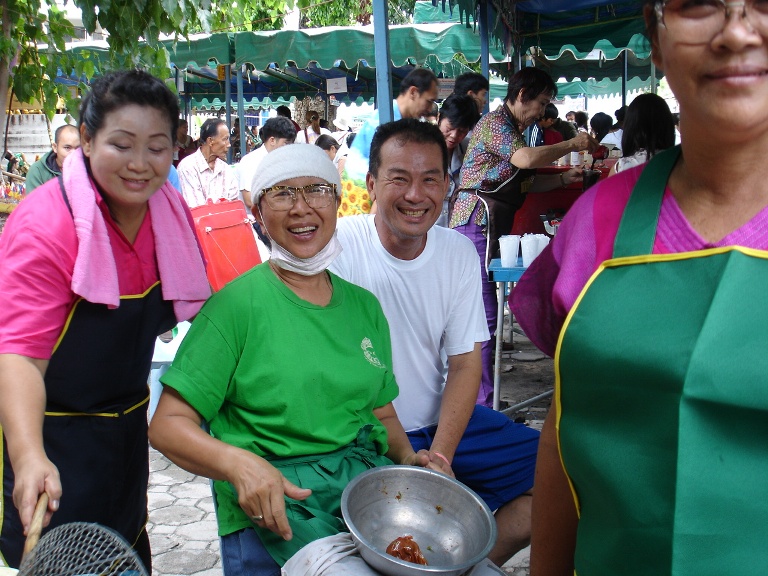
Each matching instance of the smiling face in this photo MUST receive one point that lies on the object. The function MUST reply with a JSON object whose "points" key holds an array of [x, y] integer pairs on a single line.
{"points": [[719, 79], [302, 231], [416, 105], [130, 155], [409, 190]]}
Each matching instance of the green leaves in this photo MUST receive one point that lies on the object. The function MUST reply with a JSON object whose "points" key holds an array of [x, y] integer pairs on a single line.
{"points": [[33, 43]]}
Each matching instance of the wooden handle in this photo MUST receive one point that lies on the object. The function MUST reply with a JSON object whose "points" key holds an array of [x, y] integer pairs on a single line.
{"points": [[36, 526]]}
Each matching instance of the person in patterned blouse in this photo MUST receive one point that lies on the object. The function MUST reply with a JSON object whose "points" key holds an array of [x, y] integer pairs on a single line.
{"points": [[498, 171]]}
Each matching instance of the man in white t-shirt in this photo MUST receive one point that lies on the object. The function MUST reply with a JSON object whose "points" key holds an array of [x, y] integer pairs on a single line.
{"points": [[276, 132], [427, 279]]}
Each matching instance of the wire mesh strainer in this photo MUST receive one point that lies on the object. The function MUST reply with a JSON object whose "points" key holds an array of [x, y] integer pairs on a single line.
{"points": [[79, 549]]}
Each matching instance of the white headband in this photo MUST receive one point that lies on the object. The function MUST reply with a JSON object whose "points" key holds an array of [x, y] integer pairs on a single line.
{"points": [[293, 161]]}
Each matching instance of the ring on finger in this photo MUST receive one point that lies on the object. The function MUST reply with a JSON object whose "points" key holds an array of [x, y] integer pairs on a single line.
{"points": [[257, 518]]}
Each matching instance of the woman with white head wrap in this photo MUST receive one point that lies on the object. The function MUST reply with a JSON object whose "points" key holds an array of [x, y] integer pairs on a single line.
{"points": [[291, 369]]}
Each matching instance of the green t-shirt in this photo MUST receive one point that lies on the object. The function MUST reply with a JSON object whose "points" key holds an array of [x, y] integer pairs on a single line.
{"points": [[281, 377]]}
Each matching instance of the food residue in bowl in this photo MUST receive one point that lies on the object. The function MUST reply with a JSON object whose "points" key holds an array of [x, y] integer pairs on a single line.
{"points": [[439, 509], [405, 548]]}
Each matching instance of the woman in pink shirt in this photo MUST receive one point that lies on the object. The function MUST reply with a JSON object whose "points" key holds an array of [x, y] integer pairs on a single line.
{"points": [[95, 265]]}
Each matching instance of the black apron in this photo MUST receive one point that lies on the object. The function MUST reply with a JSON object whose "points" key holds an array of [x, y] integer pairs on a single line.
{"points": [[95, 427]]}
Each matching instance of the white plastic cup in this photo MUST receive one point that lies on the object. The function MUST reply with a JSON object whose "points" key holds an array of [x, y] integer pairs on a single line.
{"points": [[509, 246], [543, 241], [529, 246], [575, 159]]}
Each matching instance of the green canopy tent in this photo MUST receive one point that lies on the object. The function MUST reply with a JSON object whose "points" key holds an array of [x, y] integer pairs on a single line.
{"points": [[578, 40]]}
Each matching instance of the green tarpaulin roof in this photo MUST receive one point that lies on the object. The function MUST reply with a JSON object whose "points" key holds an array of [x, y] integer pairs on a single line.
{"points": [[350, 45]]}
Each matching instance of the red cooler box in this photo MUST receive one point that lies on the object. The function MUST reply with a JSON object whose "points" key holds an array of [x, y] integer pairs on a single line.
{"points": [[227, 240]]}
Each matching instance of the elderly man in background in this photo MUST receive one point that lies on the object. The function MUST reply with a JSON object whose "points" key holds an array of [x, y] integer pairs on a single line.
{"points": [[205, 174], [458, 115], [66, 140]]}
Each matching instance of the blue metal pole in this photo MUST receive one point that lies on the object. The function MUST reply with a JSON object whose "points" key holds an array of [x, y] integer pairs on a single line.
{"points": [[383, 68], [241, 110], [228, 100], [485, 10]]}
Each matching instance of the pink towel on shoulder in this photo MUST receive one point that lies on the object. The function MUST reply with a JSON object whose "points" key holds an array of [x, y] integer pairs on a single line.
{"points": [[182, 272]]}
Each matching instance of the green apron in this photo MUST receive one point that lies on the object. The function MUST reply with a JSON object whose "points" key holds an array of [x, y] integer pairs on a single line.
{"points": [[663, 406], [326, 475]]}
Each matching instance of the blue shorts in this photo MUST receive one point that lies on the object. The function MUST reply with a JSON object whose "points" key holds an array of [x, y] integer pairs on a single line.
{"points": [[243, 553], [495, 457]]}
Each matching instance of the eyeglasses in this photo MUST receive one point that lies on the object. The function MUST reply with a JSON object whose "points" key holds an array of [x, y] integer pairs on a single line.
{"points": [[316, 196], [705, 18]]}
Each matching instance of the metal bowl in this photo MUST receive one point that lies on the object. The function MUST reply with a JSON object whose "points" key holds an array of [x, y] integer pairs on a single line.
{"points": [[451, 524]]}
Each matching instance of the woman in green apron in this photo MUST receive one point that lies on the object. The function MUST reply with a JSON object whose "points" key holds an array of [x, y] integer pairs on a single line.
{"points": [[290, 367], [653, 458], [90, 279]]}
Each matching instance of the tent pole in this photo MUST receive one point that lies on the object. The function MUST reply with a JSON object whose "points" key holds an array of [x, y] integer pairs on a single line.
{"points": [[654, 87], [241, 109], [485, 47], [624, 78], [228, 100], [383, 69], [483, 8]]}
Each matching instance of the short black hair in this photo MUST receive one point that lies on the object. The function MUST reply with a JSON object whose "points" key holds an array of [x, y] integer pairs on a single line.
{"points": [[532, 82], [283, 110], [649, 125], [115, 90], [460, 110], [421, 78], [620, 114], [601, 124], [406, 130], [551, 112], [60, 129], [581, 118], [470, 82], [210, 128], [278, 127]]}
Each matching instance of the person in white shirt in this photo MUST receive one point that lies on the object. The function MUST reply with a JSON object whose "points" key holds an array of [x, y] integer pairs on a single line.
{"points": [[649, 129], [427, 279], [205, 174], [312, 131], [613, 138], [276, 132]]}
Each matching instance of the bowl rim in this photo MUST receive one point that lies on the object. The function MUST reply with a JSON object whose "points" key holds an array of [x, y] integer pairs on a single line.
{"points": [[436, 568]]}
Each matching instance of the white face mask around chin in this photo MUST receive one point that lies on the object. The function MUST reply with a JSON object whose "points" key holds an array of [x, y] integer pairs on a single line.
{"points": [[306, 266]]}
